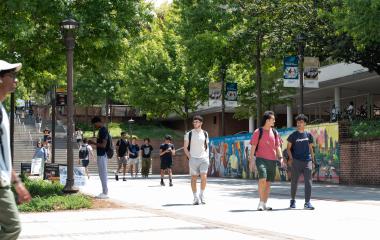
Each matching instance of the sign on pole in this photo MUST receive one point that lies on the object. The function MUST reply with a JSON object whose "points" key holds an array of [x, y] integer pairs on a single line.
{"points": [[215, 94], [231, 94], [311, 72], [291, 73]]}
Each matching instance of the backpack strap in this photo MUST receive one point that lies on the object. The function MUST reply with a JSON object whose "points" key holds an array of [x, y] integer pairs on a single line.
{"points": [[190, 133], [206, 136], [260, 136]]}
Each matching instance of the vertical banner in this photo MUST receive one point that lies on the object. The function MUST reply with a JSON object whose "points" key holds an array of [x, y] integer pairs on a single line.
{"points": [[310, 72], [291, 74], [215, 94], [231, 94]]}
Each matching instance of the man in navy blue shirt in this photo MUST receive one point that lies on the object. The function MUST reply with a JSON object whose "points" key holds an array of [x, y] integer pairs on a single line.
{"points": [[301, 158]]}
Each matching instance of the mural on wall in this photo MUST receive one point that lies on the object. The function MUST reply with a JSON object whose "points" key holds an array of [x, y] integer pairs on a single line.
{"points": [[229, 154]]}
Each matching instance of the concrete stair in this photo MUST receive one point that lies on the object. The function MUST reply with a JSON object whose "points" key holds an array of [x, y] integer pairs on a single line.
{"points": [[25, 139]]}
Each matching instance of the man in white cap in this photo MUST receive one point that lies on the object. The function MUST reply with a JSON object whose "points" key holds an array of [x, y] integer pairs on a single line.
{"points": [[10, 226]]}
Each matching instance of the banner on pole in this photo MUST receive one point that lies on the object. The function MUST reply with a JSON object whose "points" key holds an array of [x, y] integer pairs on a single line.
{"points": [[215, 94], [231, 94], [291, 73], [311, 72]]}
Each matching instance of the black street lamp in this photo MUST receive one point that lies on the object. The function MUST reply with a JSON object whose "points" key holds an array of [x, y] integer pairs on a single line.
{"points": [[301, 47], [68, 27]]}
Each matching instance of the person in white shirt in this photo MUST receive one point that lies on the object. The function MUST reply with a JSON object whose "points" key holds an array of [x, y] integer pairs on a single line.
{"points": [[10, 225], [196, 149]]}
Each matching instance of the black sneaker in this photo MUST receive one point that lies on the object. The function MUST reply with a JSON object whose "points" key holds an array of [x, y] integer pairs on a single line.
{"points": [[162, 183], [124, 179], [116, 177], [171, 184]]}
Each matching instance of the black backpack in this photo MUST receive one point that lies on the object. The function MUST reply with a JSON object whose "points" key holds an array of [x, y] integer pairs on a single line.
{"points": [[83, 152], [191, 133], [109, 147], [261, 135]]}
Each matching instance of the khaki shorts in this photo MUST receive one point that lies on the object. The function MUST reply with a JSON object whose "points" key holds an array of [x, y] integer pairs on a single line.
{"points": [[133, 161], [122, 160], [198, 166]]}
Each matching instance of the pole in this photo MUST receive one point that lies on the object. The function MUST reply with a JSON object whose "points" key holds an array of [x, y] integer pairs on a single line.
{"points": [[12, 124], [53, 119], [70, 44], [301, 50], [223, 76]]}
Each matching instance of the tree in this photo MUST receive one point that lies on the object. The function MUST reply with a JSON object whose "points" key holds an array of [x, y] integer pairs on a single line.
{"points": [[357, 32]]}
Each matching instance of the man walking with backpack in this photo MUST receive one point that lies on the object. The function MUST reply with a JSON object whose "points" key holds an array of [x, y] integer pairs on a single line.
{"points": [[102, 145], [301, 158], [122, 158], [264, 153], [196, 149], [85, 154]]}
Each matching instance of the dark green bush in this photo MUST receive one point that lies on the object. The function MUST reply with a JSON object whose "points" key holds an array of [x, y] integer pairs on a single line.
{"points": [[365, 129]]}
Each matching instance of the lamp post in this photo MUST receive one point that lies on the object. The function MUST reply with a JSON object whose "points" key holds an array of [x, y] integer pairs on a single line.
{"points": [[130, 123], [68, 27], [301, 47]]}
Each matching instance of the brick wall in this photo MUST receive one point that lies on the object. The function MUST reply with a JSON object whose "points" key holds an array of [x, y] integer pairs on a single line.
{"points": [[360, 162]]}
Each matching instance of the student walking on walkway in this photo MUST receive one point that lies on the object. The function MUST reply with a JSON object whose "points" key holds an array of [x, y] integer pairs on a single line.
{"points": [[196, 149], [264, 153], [301, 158]]}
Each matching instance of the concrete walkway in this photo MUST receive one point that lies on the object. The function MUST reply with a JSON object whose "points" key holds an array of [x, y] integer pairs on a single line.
{"points": [[155, 212]]}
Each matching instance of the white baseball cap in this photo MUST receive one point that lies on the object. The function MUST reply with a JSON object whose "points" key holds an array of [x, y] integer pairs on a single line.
{"points": [[8, 66]]}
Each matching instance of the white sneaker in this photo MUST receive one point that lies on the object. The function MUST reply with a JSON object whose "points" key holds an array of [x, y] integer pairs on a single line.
{"points": [[267, 208], [261, 206], [196, 201], [203, 199], [102, 196]]}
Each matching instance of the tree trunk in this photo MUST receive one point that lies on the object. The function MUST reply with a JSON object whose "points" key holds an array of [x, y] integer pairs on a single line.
{"points": [[186, 117]]}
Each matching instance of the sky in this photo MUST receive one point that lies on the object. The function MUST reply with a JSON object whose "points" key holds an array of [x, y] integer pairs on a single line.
{"points": [[157, 3]]}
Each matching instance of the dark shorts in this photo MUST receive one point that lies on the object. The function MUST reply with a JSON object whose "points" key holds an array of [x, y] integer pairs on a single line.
{"points": [[85, 163], [266, 169], [165, 164]]}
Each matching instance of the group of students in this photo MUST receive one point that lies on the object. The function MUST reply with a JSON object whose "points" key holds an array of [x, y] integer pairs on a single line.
{"points": [[129, 154], [266, 150], [43, 147]]}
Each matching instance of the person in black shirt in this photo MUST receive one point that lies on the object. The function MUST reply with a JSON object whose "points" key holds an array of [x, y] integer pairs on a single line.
{"points": [[167, 151], [133, 153], [146, 150], [101, 144], [122, 158]]}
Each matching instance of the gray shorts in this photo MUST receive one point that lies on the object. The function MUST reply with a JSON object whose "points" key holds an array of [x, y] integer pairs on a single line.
{"points": [[122, 160], [198, 166], [133, 161]]}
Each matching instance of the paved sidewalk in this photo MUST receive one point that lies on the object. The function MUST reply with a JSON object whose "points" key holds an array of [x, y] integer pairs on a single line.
{"points": [[156, 212]]}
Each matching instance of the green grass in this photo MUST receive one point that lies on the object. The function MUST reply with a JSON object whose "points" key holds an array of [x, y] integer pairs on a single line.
{"points": [[139, 130], [47, 196]]}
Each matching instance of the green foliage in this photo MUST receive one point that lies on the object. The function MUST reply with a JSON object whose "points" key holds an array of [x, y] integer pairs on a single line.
{"points": [[365, 129], [43, 188], [56, 203], [140, 131], [47, 196]]}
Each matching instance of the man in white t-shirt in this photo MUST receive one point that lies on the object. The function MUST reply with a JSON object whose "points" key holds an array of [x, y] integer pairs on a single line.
{"points": [[10, 226], [196, 149]]}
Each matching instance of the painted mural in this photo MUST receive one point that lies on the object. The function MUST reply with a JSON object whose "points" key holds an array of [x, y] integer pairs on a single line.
{"points": [[229, 154]]}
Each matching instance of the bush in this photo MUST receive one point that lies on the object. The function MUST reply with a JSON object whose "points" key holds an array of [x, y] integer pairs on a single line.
{"points": [[56, 203], [47, 196], [365, 129]]}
